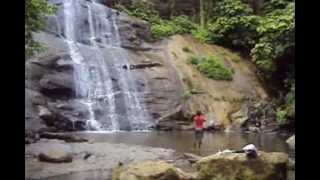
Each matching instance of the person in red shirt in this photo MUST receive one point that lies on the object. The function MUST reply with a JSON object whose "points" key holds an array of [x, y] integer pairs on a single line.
{"points": [[199, 120]]}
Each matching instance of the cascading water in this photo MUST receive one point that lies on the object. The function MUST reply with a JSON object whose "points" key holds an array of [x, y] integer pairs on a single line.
{"points": [[109, 92]]}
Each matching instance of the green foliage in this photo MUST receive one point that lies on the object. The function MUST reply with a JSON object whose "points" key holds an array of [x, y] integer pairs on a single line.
{"points": [[273, 5], [212, 67], [142, 10], [276, 31], [163, 29], [268, 37], [184, 24], [159, 27], [231, 8], [281, 116], [193, 60], [186, 49], [237, 31], [286, 111], [35, 16], [202, 34], [177, 25]]}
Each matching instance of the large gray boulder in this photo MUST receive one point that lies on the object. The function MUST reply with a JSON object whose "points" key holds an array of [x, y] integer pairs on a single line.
{"points": [[150, 170], [55, 152], [233, 166]]}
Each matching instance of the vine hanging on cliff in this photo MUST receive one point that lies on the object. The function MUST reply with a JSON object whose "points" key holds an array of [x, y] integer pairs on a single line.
{"points": [[35, 16]]}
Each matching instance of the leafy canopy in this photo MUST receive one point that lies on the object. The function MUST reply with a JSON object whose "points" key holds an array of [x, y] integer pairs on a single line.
{"points": [[36, 12]]}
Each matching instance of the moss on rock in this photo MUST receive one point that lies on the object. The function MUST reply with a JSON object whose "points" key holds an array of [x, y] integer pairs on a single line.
{"points": [[235, 166], [150, 170]]}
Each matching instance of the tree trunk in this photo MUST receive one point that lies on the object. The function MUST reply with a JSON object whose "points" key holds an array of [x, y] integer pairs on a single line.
{"points": [[201, 13]]}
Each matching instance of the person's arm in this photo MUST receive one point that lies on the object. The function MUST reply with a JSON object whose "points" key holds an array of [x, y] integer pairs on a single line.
{"points": [[204, 118]]}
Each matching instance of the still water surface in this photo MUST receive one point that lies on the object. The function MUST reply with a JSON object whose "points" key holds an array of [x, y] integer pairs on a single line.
{"points": [[182, 141]]}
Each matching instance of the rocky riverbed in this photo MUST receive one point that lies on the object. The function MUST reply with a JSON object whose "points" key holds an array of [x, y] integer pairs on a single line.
{"points": [[79, 156], [82, 157]]}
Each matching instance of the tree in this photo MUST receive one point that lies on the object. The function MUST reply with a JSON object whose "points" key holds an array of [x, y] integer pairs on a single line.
{"points": [[202, 20], [35, 16]]}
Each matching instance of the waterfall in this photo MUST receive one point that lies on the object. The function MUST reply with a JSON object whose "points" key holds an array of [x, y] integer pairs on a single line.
{"points": [[109, 92]]}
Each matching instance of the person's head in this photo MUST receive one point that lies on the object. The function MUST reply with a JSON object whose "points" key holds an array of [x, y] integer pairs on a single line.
{"points": [[199, 113]]}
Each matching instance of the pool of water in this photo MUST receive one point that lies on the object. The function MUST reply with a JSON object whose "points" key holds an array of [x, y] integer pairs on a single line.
{"points": [[183, 141]]}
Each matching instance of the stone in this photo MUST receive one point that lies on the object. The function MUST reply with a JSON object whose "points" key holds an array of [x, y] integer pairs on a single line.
{"points": [[45, 114], [56, 153], [150, 170], [239, 118], [291, 142], [192, 158], [254, 129], [233, 166], [291, 164]]}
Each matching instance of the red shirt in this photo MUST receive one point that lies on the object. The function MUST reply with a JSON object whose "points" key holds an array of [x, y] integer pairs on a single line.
{"points": [[199, 121]]}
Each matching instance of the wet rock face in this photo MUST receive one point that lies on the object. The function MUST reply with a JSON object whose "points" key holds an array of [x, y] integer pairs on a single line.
{"points": [[58, 85], [134, 33], [232, 166], [261, 116], [49, 88]]}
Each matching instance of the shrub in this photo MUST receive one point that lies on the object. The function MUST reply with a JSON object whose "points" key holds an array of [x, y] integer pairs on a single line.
{"points": [[36, 11], [202, 34], [186, 49], [163, 29], [276, 31], [184, 24], [193, 60], [238, 32], [281, 116], [159, 27], [231, 8], [212, 67]]}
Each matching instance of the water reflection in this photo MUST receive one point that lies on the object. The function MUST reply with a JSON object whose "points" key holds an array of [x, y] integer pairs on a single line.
{"points": [[182, 141]]}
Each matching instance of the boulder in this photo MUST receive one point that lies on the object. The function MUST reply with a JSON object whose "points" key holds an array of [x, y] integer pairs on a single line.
{"points": [[291, 142], [254, 129], [240, 117], [150, 170], [56, 153], [192, 158], [291, 164], [45, 114], [233, 166]]}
